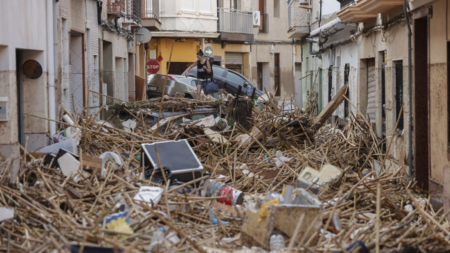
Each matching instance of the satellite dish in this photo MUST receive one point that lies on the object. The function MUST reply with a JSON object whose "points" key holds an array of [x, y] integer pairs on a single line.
{"points": [[143, 35]]}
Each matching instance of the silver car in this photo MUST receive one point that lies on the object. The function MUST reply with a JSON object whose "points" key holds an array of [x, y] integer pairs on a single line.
{"points": [[175, 84]]}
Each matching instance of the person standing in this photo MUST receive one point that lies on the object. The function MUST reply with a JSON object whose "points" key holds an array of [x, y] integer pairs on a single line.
{"points": [[204, 71]]}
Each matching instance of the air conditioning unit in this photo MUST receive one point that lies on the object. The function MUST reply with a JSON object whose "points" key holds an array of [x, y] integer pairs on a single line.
{"points": [[256, 18]]}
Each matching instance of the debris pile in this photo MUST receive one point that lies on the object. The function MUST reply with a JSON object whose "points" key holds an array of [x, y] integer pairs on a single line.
{"points": [[285, 184]]}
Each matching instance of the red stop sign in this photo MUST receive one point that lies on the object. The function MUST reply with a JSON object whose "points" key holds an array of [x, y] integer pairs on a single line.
{"points": [[152, 67]]}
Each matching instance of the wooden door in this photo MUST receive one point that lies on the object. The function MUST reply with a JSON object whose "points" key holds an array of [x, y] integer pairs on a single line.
{"points": [[262, 10], [277, 75]]}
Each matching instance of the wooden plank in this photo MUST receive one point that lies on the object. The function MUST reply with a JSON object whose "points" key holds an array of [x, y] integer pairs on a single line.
{"points": [[141, 89], [330, 108], [93, 163]]}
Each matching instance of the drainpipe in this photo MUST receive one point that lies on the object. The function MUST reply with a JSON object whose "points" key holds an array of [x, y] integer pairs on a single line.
{"points": [[320, 15], [51, 67], [405, 10]]}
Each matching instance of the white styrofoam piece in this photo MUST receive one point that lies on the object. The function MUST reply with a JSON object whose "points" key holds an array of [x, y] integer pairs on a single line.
{"points": [[149, 194], [69, 165], [6, 213]]}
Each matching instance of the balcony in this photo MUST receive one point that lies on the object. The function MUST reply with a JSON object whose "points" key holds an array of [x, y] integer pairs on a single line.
{"points": [[379, 6], [116, 8], [134, 12], [298, 20], [367, 9], [235, 25], [150, 15], [353, 13]]}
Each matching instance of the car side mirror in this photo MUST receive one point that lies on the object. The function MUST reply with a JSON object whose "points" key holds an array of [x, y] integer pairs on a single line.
{"points": [[246, 85]]}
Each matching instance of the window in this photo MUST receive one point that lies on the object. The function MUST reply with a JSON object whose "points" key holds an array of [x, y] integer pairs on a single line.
{"points": [[205, 6], [276, 8], [235, 78], [262, 10], [188, 5], [218, 71]]}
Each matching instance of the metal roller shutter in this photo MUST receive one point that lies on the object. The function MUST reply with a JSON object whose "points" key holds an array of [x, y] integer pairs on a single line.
{"points": [[234, 58], [371, 102]]}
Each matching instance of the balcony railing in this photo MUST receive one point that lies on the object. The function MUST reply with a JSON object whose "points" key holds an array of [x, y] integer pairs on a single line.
{"points": [[151, 9], [234, 21], [134, 11], [116, 7]]}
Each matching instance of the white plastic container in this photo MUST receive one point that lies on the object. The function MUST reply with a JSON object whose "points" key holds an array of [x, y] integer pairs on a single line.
{"points": [[149, 195]]}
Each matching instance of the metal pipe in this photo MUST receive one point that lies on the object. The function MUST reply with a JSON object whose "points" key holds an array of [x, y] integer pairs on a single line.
{"points": [[320, 15], [51, 67], [405, 10]]}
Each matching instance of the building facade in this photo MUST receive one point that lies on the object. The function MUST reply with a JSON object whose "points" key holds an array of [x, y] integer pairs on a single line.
{"points": [[82, 50], [225, 30]]}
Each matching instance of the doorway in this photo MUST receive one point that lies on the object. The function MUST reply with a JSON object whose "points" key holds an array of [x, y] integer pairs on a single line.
{"points": [[330, 83], [234, 61], [277, 75], [347, 94], [298, 85], [77, 82], [20, 116], [381, 129], [371, 88], [421, 98], [399, 93], [177, 68], [259, 75]]}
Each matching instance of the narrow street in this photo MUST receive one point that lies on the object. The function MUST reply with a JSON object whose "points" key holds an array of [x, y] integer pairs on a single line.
{"points": [[224, 126]]}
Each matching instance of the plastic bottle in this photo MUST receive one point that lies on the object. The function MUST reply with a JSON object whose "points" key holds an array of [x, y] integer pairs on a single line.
{"points": [[276, 242], [157, 243], [121, 203]]}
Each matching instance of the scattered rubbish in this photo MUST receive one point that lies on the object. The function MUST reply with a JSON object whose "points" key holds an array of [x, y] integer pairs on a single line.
{"points": [[175, 156], [312, 179], [157, 243], [408, 208], [69, 166], [357, 247], [149, 195], [212, 216], [258, 227], [336, 221], [249, 139], [279, 158], [121, 203], [70, 145], [330, 208], [276, 242], [106, 157], [129, 125], [215, 136], [6, 213], [67, 134], [76, 248], [119, 222], [67, 119], [229, 195], [205, 122]]}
